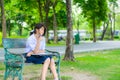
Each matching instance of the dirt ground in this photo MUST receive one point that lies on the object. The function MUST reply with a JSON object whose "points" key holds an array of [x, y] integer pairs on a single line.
{"points": [[73, 74], [80, 76]]}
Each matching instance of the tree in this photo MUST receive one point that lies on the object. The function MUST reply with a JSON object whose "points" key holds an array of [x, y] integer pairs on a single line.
{"points": [[40, 9], [46, 9], [118, 21], [69, 41], [95, 12], [3, 19], [114, 4], [54, 3], [61, 15], [32, 11], [111, 19]]}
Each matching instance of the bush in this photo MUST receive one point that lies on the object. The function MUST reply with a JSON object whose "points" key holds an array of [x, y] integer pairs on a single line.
{"points": [[116, 37]]}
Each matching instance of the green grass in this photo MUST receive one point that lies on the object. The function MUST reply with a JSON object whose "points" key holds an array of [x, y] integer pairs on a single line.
{"points": [[103, 64], [2, 66], [60, 43], [17, 37]]}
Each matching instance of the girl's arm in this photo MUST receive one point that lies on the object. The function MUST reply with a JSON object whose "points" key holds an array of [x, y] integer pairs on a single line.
{"points": [[36, 50]]}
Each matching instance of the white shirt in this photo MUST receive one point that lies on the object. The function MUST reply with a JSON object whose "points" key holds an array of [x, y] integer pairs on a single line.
{"points": [[31, 43]]}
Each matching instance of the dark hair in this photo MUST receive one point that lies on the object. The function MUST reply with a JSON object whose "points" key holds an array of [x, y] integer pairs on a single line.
{"points": [[31, 32], [38, 26]]}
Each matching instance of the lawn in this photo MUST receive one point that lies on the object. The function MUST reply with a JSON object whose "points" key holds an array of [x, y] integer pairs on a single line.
{"points": [[105, 65]]}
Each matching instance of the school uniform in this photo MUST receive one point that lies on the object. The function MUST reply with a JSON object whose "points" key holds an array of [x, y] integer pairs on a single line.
{"points": [[30, 46]]}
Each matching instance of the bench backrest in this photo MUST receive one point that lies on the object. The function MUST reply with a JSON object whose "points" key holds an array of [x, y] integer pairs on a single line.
{"points": [[14, 43]]}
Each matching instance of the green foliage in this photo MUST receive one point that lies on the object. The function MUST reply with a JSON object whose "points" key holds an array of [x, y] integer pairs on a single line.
{"points": [[60, 12], [117, 21], [19, 12], [27, 11], [97, 10], [108, 34], [79, 21], [114, 2]]}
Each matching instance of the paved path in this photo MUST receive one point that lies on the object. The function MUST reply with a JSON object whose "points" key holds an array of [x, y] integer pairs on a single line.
{"points": [[84, 46]]}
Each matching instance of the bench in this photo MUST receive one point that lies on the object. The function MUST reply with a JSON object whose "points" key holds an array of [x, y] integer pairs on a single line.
{"points": [[14, 60]]}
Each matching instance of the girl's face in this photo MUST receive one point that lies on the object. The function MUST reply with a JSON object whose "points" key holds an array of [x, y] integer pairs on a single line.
{"points": [[41, 31]]}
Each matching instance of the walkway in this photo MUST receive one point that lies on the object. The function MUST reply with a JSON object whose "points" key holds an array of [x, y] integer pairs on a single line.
{"points": [[86, 46]]}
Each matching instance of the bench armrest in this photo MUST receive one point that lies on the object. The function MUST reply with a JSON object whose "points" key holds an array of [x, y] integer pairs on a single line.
{"points": [[54, 53], [13, 59]]}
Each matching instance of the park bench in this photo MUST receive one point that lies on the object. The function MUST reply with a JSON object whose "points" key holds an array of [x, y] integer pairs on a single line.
{"points": [[14, 60]]}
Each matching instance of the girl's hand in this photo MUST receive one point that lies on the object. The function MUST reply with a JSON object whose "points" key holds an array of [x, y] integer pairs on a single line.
{"points": [[29, 54], [39, 38]]}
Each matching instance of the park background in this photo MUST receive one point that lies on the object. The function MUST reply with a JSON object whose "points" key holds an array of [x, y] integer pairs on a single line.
{"points": [[98, 21]]}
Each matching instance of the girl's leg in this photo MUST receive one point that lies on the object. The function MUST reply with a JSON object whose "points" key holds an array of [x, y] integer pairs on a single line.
{"points": [[53, 69], [45, 68]]}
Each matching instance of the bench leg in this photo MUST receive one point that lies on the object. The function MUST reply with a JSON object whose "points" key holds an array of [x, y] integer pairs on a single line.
{"points": [[20, 75], [13, 72], [6, 73], [58, 71]]}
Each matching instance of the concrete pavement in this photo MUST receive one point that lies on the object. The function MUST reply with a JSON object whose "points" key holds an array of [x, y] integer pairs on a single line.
{"points": [[84, 46]]}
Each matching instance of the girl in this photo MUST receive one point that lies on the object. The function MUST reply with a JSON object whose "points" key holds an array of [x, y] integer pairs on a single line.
{"points": [[36, 45]]}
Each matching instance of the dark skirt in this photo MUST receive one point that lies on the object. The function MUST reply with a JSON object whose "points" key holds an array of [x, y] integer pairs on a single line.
{"points": [[36, 59]]}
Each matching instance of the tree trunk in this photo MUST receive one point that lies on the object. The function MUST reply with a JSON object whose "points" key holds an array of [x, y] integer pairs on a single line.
{"points": [[55, 23], [113, 21], [111, 31], [47, 5], [8, 27], [104, 30], [40, 10], [4, 35], [69, 41], [94, 30], [111, 24], [20, 30]]}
